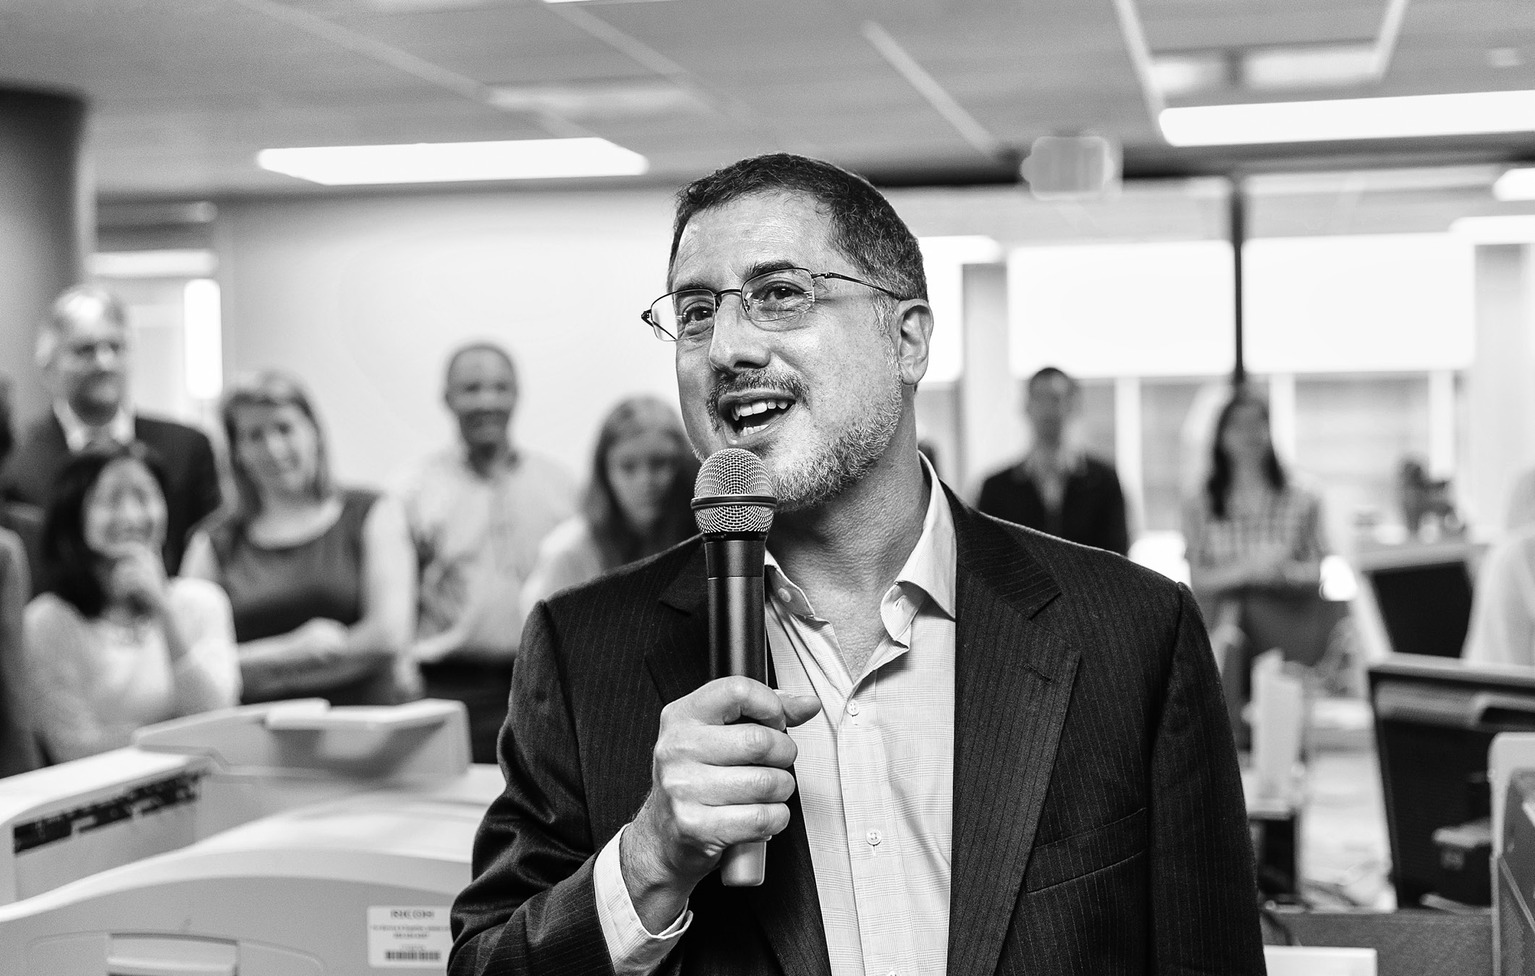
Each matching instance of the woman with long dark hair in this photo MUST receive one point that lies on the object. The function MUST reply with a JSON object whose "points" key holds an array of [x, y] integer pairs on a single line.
{"points": [[1255, 547], [322, 579], [112, 644], [636, 501]]}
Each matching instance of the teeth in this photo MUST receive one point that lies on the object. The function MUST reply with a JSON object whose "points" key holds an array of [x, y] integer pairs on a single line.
{"points": [[758, 406]]}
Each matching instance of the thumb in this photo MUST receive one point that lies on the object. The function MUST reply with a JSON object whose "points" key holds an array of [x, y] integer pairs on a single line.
{"points": [[798, 709]]}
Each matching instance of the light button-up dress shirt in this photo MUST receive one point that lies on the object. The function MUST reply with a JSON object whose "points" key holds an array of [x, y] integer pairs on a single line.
{"points": [[876, 765], [875, 774]]}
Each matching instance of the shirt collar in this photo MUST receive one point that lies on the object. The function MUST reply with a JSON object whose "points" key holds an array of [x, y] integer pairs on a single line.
{"points": [[510, 463], [931, 565], [932, 562], [79, 435]]}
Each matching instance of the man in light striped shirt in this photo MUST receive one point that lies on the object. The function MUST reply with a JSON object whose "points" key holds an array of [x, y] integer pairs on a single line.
{"points": [[987, 750]]}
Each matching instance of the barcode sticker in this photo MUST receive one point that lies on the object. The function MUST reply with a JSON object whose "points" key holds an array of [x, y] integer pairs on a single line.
{"points": [[408, 936]]}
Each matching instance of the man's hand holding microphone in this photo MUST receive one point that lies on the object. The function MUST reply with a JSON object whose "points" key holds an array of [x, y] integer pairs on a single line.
{"points": [[720, 777]]}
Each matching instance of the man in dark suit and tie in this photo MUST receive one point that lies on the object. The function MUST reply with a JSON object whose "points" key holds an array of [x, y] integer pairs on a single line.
{"points": [[986, 751], [83, 350]]}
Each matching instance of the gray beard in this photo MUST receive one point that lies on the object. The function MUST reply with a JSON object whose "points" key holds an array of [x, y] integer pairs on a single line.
{"points": [[842, 463]]}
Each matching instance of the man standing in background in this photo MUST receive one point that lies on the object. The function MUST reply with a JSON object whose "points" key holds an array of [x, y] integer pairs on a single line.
{"points": [[1059, 488], [477, 512], [83, 351]]}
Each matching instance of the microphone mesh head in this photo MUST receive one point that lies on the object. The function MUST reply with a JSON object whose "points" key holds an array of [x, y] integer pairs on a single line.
{"points": [[727, 473]]}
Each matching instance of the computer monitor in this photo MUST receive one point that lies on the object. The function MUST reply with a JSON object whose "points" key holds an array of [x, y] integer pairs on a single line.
{"points": [[1434, 721], [1422, 592]]}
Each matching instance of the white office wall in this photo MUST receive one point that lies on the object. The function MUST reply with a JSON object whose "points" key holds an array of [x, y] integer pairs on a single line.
{"points": [[363, 299], [1161, 308], [1369, 303]]}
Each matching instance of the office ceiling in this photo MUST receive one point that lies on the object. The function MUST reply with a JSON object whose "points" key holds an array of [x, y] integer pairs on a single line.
{"points": [[183, 93]]}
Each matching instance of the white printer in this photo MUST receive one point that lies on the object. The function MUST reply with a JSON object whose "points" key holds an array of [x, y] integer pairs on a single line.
{"points": [[286, 839]]}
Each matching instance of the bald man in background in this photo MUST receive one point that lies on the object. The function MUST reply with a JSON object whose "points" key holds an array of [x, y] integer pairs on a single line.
{"points": [[477, 512]]}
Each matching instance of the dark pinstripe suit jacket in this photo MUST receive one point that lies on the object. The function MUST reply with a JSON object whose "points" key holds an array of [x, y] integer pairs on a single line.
{"points": [[1099, 825]]}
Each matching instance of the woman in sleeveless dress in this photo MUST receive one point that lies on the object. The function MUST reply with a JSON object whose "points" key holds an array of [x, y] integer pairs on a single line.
{"points": [[321, 578]]}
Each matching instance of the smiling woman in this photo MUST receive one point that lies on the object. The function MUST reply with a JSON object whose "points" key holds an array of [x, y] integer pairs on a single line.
{"points": [[321, 578], [636, 501], [112, 644]]}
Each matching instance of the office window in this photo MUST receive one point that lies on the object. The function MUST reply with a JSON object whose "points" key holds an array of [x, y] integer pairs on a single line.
{"points": [[1096, 420], [1169, 465], [1135, 309], [1351, 435]]}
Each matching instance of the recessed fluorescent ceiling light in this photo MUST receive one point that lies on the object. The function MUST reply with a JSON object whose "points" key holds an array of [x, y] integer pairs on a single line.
{"points": [[1506, 229], [1309, 66], [1184, 74], [1349, 118], [623, 99], [446, 162], [1516, 184]]}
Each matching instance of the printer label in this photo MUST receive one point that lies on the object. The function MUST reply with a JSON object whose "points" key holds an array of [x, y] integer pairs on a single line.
{"points": [[408, 936]]}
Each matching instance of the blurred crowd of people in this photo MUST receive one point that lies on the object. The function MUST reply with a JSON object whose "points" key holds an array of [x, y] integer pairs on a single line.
{"points": [[146, 575], [138, 583]]}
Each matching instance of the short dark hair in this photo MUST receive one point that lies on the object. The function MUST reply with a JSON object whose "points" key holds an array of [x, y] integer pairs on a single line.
{"points": [[69, 567], [865, 228], [1050, 373], [481, 345]]}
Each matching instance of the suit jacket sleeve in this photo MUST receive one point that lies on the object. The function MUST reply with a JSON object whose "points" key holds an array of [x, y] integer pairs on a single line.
{"points": [[1203, 887], [531, 907], [204, 492]]}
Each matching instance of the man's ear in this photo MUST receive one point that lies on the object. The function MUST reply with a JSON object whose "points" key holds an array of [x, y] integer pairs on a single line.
{"points": [[914, 334]]}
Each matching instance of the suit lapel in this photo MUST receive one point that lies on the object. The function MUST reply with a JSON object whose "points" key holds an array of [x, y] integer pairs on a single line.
{"points": [[678, 658], [786, 904], [54, 434], [1013, 681]]}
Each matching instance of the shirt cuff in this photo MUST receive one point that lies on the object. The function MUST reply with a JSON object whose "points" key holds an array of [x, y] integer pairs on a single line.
{"points": [[634, 951]]}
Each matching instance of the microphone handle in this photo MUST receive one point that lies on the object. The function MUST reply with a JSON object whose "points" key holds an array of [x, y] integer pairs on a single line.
{"points": [[738, 645]]}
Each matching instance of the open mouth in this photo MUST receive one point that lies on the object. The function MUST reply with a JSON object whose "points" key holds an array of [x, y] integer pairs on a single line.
{"points": [[750, 414]]}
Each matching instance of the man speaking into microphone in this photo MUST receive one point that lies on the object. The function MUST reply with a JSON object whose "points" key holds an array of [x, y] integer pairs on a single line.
{"points": [[986, 750]]}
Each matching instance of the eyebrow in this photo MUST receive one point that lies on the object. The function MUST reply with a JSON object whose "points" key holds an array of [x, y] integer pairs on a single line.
{"points": [[761, 267]]}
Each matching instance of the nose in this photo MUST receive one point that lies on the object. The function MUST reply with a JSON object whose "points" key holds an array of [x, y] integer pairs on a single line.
{"points": [[736, 343], [133, 514], [273, 442], [106, 355]]}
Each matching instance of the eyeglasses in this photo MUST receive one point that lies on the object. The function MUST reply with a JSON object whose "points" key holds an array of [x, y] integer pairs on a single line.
{"points": [[773, 300]]}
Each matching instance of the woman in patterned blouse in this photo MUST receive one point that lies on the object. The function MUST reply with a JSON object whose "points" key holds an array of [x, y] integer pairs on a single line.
{"points": [[1255, 548]]}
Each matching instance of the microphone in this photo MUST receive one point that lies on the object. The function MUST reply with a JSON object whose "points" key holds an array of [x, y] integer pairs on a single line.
{"points": [[733, 504]]}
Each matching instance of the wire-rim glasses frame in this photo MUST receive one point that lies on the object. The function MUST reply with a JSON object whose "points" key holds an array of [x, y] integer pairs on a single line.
{"points": [[769, 300]]}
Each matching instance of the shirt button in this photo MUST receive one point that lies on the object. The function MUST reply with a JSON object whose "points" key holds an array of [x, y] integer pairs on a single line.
{"points": [[852, 707], [874, 837]]}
